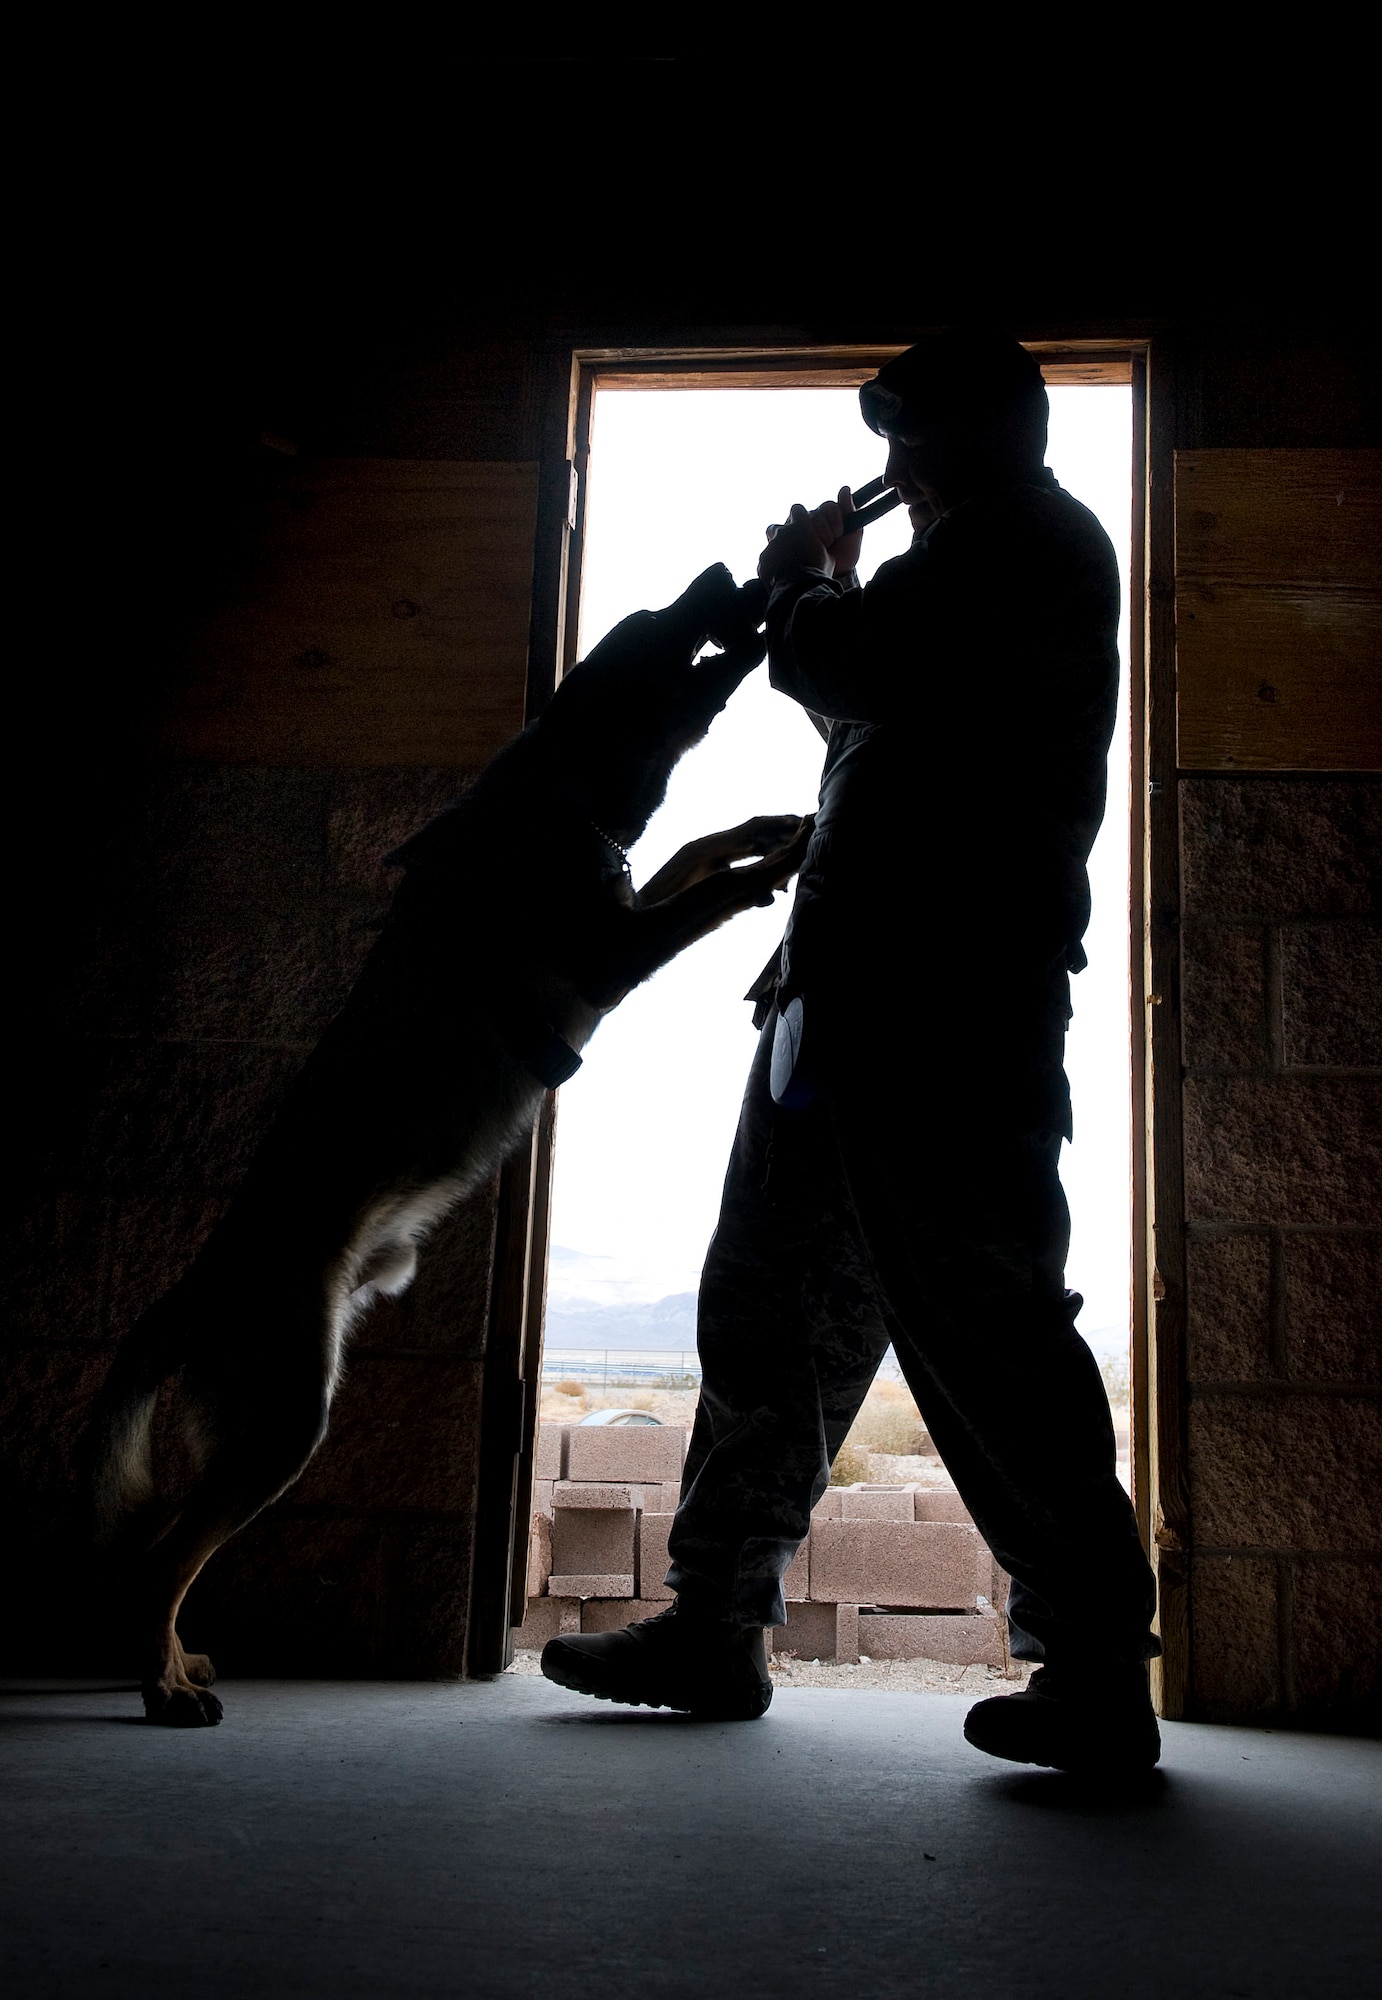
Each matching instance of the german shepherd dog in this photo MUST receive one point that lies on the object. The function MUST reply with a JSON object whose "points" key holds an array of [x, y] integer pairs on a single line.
{"points": [[515, 928]]}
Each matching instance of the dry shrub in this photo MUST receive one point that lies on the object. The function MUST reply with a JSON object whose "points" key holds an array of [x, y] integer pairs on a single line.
{"points": [[850, 1466], [889, 1422], [569, 1388]]}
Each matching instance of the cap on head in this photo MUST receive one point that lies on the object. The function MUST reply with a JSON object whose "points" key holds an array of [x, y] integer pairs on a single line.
{"points": [[961, 380]]}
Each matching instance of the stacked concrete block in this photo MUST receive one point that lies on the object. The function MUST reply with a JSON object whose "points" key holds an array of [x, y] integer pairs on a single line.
{"points": [[892, 1572], [925, 1565], [549, 1451], [547, 1618], [539, 1554], [847, 1634], [796, 1584], [653, 1530], [594, 1528], [644, 1454], [955, 1639], [876, 1503], [607, 1614], [809, 1631]]}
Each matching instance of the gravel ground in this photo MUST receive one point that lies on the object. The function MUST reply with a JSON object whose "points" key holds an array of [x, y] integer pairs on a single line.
{"points": [[901, 1676]]}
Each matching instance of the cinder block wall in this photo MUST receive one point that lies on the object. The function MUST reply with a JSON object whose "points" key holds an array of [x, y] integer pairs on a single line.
{"points": [[248, 900], [1282, 1024], [209, 920]]}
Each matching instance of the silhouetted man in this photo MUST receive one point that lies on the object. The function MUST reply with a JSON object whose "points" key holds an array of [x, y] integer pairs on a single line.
{"points": [[894, 1176]]}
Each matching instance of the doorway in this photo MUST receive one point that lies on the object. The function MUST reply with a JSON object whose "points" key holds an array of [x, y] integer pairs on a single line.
{"points": [[684, 470]]}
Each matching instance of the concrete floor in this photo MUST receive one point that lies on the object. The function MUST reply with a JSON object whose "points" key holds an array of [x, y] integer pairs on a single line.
{"points": [[511, 1839]]}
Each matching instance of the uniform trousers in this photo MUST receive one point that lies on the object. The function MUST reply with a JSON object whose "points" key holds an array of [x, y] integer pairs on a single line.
{"points": [[940, 1226]]}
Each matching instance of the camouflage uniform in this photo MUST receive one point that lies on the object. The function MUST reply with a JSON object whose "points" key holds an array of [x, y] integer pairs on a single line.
{"points": [[916, 1198]]}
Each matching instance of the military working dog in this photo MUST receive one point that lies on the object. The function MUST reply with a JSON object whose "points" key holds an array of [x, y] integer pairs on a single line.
{"points": [[514, 929]]}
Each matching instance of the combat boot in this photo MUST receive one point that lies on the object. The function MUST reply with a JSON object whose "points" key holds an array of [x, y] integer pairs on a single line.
{"points": [[678, 1659], [1101, 1725]]}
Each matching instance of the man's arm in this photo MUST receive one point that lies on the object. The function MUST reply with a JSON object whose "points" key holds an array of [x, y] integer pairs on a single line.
{"points": [[845, 654]]}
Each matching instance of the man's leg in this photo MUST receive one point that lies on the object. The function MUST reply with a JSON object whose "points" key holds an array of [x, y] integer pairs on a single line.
{"points": [[790, 1333], [790, 1336], [969, 1232]]}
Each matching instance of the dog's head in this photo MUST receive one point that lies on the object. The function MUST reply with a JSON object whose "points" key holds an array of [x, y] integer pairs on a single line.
{"points": [[631, 710]]}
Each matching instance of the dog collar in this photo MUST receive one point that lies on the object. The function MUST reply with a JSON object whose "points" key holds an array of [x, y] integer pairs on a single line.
{"points": [[541, 1050], [610, 841]]}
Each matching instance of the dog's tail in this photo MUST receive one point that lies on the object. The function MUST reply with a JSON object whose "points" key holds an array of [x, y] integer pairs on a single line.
{"points": [[118, 1448]]}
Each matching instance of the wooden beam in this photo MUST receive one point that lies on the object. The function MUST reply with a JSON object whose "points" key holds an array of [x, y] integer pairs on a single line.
{"points": [[383, 619], [1085, 364], [1164, 1203], [1279, 610]]}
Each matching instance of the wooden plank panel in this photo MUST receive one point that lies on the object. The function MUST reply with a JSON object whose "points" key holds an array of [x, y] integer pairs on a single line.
{"points": [[1279, 610], [1065, 370], [383, 619]]}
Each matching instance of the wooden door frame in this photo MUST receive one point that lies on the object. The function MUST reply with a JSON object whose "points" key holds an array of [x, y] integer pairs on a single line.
{"points": [[1160, 1490]]}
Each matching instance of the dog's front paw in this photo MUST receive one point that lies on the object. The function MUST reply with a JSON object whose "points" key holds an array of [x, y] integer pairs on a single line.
{"points": [[199, 1670], [175, 1705], [771, 833]]}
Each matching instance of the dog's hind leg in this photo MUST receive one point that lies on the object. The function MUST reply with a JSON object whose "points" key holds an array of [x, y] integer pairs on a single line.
{"points": [[256, 1444]]}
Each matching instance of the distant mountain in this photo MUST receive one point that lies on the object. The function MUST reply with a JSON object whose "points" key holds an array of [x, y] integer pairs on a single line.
{"points": [[668, 1324]]}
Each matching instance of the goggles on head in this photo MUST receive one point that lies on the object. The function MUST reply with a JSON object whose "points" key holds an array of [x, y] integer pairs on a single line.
{"points": [[881, 408]]}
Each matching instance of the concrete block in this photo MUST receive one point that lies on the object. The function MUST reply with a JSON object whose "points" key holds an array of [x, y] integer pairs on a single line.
{"points": [[607, 1614], [1280, 847], [398, 1436], [539, 1554], [809, 1632], [1223, 996], [1283, 1149], [1234, 1648], [542, 1495], [369, 813], [590, 1540], [1228, 1331], [796, 1584], [578, 1493], [997, 1592], [1336, 1622], [939, 1504], [1331, 976], [847, 1634], [953, 1637], [543, 1620], [1286, 1472], [653, 1530], [642, 1452], [591, 1586], [671, 1497], [550, 1452], [1333, 1284], [929, 1565], [828, 1507], [876, 1503]]}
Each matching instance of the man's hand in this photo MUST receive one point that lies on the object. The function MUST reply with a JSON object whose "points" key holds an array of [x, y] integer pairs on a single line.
{"points": [[814, 540]]}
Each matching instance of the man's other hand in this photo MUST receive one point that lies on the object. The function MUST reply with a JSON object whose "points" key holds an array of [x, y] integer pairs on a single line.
{"points": [[814, 540]]}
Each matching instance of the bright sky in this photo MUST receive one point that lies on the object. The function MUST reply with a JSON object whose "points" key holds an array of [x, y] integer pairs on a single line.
{"points": [[680, 479]]}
